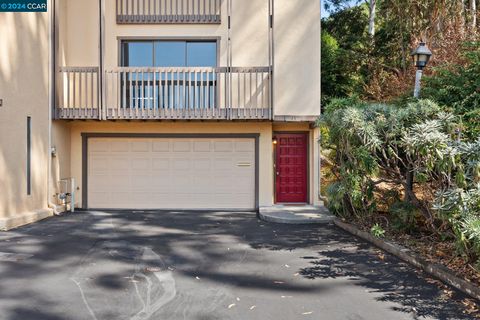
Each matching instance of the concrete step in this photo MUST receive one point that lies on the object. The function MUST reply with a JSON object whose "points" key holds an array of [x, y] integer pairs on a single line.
{"points": [[296, 214]]}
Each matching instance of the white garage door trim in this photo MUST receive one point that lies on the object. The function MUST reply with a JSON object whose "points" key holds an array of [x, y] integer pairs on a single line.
{"points": [[87, 136]]}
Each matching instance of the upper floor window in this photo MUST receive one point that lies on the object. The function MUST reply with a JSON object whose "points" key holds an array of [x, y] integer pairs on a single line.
{"points": [[166, 53]]}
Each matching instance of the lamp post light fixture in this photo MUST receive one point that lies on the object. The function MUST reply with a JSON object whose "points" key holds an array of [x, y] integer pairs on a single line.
{"points": [[421, 56]]}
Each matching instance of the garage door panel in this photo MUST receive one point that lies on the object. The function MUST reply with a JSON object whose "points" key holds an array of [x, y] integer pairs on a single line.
{"points": [[181, 164], [223, 164], [160, 146], [99, 183], [141, 164], [161, 184], [141, 197], [172, 173], [223, 146], [141, 183], [100, 198], [98, 165], [160, 164], [99, 145], [119, 200], [202, 164], [181, 146], [140, 145], [119, 164], [202, 146], [244, 146], [118, 145]]}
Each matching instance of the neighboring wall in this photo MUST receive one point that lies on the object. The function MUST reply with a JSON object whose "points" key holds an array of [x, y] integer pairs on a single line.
{"points": [[24, 49]]}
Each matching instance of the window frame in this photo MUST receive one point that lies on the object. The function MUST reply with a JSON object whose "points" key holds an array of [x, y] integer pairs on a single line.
{"points": [[121, 40]]}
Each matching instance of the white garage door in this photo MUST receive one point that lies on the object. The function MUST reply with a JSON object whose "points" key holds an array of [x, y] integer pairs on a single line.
{"points": [[177, 173]]}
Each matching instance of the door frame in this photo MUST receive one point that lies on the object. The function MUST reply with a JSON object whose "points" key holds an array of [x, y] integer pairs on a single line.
{"points": [[307, 134], [87, 135]]}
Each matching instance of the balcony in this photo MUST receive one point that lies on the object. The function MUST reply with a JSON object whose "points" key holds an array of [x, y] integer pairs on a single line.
{"points": [[164, 93], [168, 11]]}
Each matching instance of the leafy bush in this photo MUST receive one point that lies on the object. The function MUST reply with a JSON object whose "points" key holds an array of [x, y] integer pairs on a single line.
{"points": [[460, 204], [375, 144], [382, 151], [377, 231]]}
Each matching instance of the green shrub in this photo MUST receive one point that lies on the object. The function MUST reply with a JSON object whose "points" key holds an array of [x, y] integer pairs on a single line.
{"points": [[382, 143], [457, 88], [412, 147], [377, 231]]}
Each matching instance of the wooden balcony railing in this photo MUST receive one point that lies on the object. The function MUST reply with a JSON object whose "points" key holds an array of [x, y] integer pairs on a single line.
{"points": [[168, 11], [77, 93], [167, 93]]}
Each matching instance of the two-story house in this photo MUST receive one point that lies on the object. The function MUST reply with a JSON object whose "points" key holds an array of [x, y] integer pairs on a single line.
{"points": [[159, 104]]}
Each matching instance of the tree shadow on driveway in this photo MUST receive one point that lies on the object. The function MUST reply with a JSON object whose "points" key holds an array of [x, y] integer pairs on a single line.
{"points": [[123, 261], [393, 281]]}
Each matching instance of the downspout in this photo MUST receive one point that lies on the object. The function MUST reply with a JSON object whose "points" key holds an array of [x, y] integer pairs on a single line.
{"points": [[51, 101], [320, 197], [319, 141], [271, 55]]}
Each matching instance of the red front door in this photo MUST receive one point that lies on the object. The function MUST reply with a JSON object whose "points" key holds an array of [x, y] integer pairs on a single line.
{"points": [[291, 167]]}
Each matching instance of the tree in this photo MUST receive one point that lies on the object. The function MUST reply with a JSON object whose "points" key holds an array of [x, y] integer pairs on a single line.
{"points": [[456, 87], [334, 6], [473, 14], [344, 52], [371, 19], [376, 38]]}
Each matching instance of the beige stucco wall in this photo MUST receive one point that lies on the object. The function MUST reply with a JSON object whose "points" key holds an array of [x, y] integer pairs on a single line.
{"points": [[61, 161], [78, 32], [297, 57], [297, 43], [24, 56]]}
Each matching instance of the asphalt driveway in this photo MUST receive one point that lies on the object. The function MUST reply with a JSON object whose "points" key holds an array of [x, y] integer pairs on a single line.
{"points": [[202, 266]]}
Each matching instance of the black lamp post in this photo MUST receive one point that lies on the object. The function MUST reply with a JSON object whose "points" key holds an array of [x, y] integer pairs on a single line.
{"points": [[421, 56]]}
